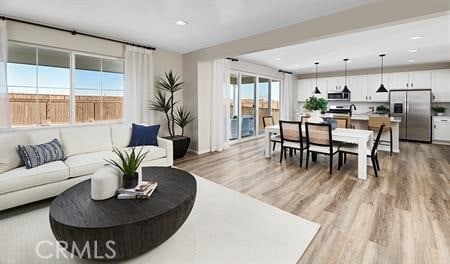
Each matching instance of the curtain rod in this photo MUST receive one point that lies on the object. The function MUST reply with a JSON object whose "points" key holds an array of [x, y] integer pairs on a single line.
{"points": [[231, 59], [73, 32], [285, 71]]}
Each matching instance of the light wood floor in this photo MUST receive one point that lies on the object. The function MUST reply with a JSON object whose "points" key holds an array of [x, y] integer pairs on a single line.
{"points": [[400, 217]]}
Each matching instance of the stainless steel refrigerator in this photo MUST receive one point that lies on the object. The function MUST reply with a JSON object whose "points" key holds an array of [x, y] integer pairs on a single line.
{"points": [[414, 109]]}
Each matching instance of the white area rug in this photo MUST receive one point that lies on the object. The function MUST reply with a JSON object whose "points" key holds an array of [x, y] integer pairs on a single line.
{"points": [[224, 227]]}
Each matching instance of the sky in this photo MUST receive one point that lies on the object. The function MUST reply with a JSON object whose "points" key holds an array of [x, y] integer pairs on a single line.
{"points": [[54, 80], [247, 91]]}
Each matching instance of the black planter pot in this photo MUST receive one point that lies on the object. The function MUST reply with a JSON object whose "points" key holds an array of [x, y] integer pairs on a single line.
{"points": [[129, 182], [180, 146]]}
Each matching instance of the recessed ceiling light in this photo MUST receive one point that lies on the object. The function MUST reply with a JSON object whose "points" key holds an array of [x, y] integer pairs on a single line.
{"points": [[277, 59], [297, 65], [181, 23], [413, 51], [411, 60], [416, 37]]}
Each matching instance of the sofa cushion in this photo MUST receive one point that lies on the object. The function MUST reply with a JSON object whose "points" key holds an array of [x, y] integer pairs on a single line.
{"points": [[9, 155], [43, 135], [154, 152], [22, 178], [88, 163], [121, 135], [144, 135], [80, 140], [37, 155]]}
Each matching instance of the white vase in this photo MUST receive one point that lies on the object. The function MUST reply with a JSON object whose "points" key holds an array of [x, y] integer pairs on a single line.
{"points": [[315, 117], [440, 114]]}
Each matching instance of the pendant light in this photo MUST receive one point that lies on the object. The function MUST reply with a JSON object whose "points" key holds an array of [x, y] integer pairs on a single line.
{"points": [[382, 89], [316, 90], [346, 90]]}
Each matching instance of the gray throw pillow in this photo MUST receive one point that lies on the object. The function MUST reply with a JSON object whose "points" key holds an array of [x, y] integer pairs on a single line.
{"points": [[36, 155]]}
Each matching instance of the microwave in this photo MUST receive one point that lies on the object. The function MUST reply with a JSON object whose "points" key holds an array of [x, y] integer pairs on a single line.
{"points": [[338, 96]]}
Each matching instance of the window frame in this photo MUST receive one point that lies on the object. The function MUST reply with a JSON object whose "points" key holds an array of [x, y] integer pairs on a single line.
{"points": [[72, 103]]}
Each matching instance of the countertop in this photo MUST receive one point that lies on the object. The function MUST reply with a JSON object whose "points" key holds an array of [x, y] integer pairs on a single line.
{"points": [[363, 117]]}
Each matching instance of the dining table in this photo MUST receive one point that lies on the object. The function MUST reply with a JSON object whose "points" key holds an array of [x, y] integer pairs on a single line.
{"points": [[362, 138]]}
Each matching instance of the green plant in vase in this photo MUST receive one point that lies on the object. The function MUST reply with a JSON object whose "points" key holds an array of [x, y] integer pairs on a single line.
{"points": [[316, 104], [128, 165], [440, 110]]}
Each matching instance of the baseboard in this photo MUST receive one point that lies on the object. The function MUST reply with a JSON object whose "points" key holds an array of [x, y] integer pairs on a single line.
{"points": [[441, 142], [198, 152]]}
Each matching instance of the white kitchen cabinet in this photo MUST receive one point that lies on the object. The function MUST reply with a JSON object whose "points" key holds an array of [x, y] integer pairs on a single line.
{"points": [[373, 83], [335, 83], [441, 85], [358, 87], [420, 80], [304, 89], [410, 80], [398, 80], [441, 128]]}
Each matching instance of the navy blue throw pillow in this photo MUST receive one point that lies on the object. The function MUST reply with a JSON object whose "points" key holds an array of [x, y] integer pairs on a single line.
{"points": [[144, 135]]}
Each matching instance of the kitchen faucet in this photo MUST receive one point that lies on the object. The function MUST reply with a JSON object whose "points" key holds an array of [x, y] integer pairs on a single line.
{"points": [[354, 108]]}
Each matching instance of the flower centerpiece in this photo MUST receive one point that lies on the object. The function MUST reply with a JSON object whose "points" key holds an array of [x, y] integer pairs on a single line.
{"points": [[128, 165]]}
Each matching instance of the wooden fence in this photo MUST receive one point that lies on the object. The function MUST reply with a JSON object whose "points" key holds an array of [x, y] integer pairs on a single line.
{"points": [[55, 109]]}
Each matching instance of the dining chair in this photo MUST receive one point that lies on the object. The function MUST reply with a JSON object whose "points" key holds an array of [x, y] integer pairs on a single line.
{"points": [[342, 121], [371, 153], [319, 140], [375, 123], [268, 121], [291, 138]]}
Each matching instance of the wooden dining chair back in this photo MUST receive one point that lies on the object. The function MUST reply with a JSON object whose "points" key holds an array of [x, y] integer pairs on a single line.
{"points": [[319, 140], [342, 121], [291, 138], [318, 134], [268, 121], [375, 122]]}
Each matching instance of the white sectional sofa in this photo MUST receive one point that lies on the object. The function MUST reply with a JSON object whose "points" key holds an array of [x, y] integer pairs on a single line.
{"points": [[85, 148]]}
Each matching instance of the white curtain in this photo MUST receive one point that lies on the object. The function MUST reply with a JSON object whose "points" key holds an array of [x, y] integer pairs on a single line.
{"points": [[5, 120], [286, 97], [220, 109], [139, 85]]}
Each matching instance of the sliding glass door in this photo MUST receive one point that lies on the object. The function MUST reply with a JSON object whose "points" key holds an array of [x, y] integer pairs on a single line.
{"points": [[251, 98]]}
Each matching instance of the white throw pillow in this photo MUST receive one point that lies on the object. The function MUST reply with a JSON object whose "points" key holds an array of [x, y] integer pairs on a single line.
{"points": [[85, 139], [42, 136], [121, 135], [9, 156]]}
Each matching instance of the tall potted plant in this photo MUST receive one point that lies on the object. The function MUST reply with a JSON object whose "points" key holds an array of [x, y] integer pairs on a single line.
{"points": [[164, 102]]}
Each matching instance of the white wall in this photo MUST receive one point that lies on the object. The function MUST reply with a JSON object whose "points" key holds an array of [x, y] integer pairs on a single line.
{"points": [[163, 60], [203, 136]]}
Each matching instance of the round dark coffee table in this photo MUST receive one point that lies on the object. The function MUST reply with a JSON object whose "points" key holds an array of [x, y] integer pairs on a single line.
{"points": [[115, 229]]}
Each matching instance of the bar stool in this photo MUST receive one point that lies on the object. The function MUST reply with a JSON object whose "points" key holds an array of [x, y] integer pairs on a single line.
{"points": [[375, 123]]}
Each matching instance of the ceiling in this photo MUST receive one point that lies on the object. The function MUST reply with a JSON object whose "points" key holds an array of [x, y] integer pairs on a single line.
{"points": [[363, 48], [153, 22]]}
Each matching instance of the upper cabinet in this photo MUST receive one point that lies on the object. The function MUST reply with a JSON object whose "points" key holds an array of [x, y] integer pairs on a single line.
{"points": [[358, 87], [410, 80], [420, 80], [441, 85]]}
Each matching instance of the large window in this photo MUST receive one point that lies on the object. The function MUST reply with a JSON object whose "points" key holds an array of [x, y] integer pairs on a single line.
{"points": [[45, 88], [98, 88]]}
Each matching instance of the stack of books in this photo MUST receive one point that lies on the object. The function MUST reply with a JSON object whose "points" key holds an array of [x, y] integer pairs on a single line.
{"points": [[143, 191]]}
